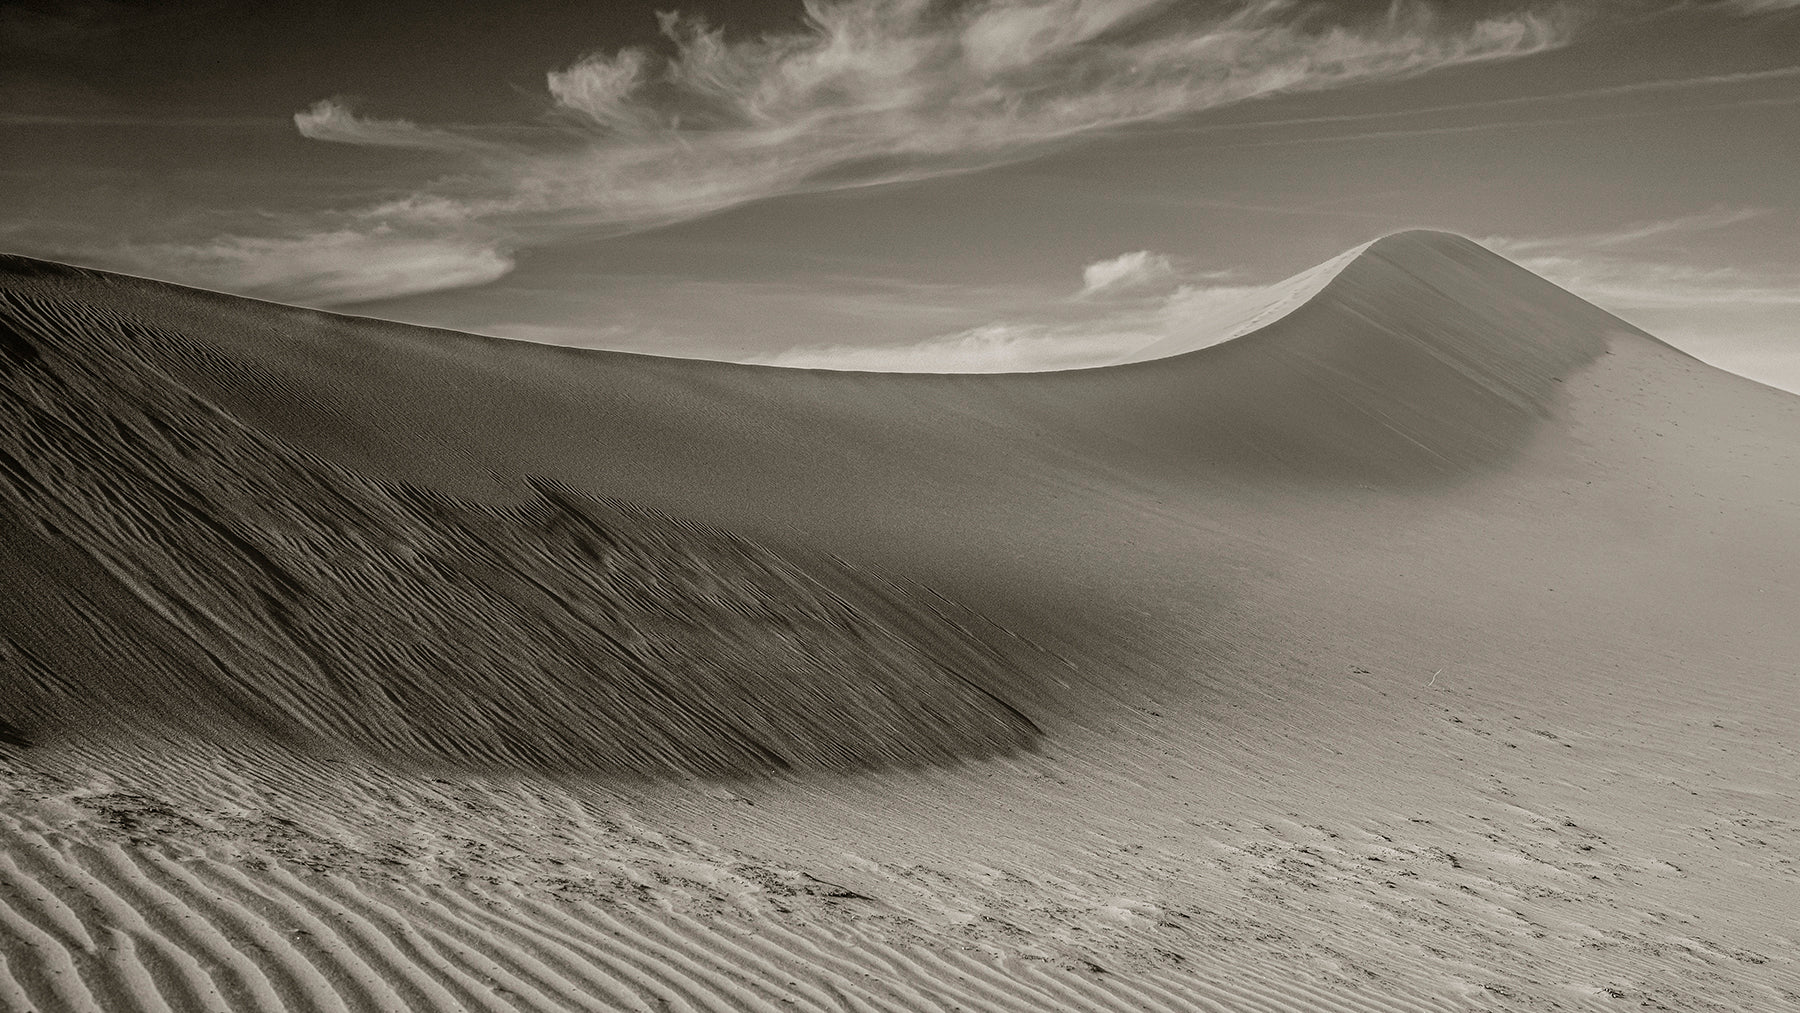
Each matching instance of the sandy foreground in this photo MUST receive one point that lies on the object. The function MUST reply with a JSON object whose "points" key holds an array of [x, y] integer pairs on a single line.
{"points": [[1432, 646]]}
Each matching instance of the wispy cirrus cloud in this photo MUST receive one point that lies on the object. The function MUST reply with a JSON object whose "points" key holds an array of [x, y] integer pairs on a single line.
{"points": [[333, 120], [1630, 88], [1630, 283], [867, 92], [1753, 7], [1634, 234]]}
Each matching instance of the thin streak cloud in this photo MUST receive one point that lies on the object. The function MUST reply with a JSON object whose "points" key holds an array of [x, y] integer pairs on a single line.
{"points": [[1751, 8], [1514, 124], [1651, 265], [868, 92], [1681, 225], [332, 120], [1610, 91]]}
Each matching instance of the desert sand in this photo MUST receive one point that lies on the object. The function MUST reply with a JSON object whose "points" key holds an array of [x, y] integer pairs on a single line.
{"points": [[1430, 645]]}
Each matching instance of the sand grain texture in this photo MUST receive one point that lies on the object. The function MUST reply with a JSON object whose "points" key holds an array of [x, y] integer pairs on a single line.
{"points": [[1429, 647]]}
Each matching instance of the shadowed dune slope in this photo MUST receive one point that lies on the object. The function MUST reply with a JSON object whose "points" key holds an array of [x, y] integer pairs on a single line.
{"points": [[170, 561]]}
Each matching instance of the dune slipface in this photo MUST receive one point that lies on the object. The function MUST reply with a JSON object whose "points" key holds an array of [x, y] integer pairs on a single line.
{"points": [[1428, 647]]}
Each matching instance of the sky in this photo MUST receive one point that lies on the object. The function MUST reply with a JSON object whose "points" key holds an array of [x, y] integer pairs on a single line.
{"points": [[907, 184]]}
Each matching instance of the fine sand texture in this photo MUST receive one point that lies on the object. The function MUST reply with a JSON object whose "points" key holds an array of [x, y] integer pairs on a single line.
{"points": [[1430, 646]]}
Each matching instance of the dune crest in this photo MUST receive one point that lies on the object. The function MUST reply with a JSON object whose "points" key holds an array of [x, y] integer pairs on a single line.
{"points": [[1248, 312]]}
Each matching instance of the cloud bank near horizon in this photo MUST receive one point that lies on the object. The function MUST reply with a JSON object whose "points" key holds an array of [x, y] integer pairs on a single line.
{"points": [[1653, 265], [1126, 304], [867, 92]]}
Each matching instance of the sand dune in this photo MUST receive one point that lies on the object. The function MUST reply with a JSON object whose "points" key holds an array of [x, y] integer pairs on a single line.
{"points": [[1430, 646]]}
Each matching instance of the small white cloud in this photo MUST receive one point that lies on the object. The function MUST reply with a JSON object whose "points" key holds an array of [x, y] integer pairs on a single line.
{"points": [[600, 88], [1124, 272]]}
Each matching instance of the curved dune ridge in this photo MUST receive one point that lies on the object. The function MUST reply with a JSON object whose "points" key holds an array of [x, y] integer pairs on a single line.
{"points": [[1428, 646], [1253, 309]]}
